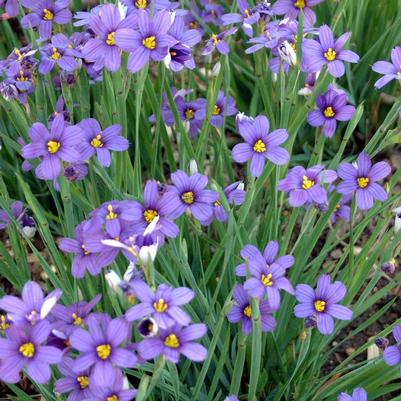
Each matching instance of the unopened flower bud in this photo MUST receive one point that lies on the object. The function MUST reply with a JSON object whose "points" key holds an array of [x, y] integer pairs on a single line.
{"points": [[381, 343], [148, 327], [388, 267]]}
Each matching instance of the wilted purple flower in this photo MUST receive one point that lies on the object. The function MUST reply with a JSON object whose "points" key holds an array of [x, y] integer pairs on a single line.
{"points": [[218, 42], [33, 307], [327, 51], [242, 312], [362, 178], [75, 383], [322, 303], [113, 390], [224, 107], [310, 82], [58, 53], [60, 109], [342, 210], [390, 70], [392, 354], [389, 267], [102, 347], [382, 343], [247, 17], [212, 12], [188, 113], [53, 147], [292, 8], [22, 57], [45, 13], [189, 193], [270, 256], [175, 341], [260, 145], [76, 171], [181, 52], [333, 107], [359, 394], [103, 49], [23, 349], [21, 216], [101, 141], [305, 186], [155, 207], [72, 316], [151, 42], [90, 254], [163, 305]]}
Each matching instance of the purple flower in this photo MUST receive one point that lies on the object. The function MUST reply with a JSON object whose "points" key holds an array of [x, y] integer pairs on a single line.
{"points": [[52, 147], [247, 17], [218, 42], [362, 178], [212, 12], [102, 347], [359, 394], [242, 312], [58, 53], [390, 70], [33, 307], [175, 341], [155, 207], [11, 7], [272, 35], [260, 145], [76, 172], [90, 254], [225, 106], [103, 49], [189, 193], [163, 305], [328, 51], [20, 215], [75, 383], [333, 107], [101, 141], [392, 354], [305, 186], [292, 8], [60, 109], [270, 256], [188, 113], [44, 13], [151, 42], [181, 52], [113, 390], [23, 349], [342, 210], [72, 316], [322, 303]]}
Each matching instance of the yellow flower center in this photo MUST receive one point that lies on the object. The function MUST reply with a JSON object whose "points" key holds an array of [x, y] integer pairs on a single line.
{"points": [[160, 306], [96, 142], [21, 76], [267, 280], [189, 114], [259, 146], [217, 203], [3, 322], [86, 252], [150, 215], [149, 42], [363, 182], [48, 15], [300, 4], [307, 183], [247, 13], [216, 110], [112, 398], [320, 306], [53, 146], [194, 24], [330, 54], [56, 54], [141, 4], [103, 351], [27, 350], [111, 41], [329, 112], [188, 197], [78, 321], [172, 341], [111, 215], [83, 381], [215, 39], [19, 54], [248, 311]]}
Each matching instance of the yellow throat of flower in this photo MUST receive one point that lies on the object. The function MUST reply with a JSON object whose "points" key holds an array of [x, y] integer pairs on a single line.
{"points": [[96, 142], [363, 182], [259, 146], [111, 40], [83, 381], [188, 197], [27, 350], [103, 351], [149, 42], [320, 306], [330, 55], [307, 183], [189, 114], [172, 341], [78, 321], [141, 4], [267, 280], [53, 146], [300, 4], [329, 112], [111, 215], [48, 15], [248, 311], [56, 55], [160, 306]]}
